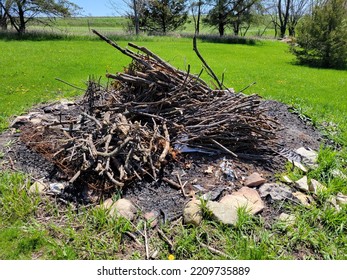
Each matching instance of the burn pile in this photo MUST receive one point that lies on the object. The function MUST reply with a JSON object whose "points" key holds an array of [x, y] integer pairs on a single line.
{"points": [[150, 115]]}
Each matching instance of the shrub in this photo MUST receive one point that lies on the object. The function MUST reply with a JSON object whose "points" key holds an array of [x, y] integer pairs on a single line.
{"points": [[322, 36]]}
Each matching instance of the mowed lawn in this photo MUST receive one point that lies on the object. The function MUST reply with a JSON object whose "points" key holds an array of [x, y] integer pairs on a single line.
{"points": [[29, 69]]}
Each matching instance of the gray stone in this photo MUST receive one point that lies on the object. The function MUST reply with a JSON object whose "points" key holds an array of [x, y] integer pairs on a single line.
{"points": [[38, 187], [254, 180], [316, 186], [341, 199], [123, 208], [302, 184], [275, 191], [192, 213], [224, 213], [309, 156]]}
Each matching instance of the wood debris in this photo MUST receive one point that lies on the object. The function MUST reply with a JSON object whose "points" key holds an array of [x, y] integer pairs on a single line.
{"points": [[150, 113]]}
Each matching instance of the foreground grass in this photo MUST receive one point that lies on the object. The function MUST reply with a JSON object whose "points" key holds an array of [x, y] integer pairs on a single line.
{"points": [[37, 227]]}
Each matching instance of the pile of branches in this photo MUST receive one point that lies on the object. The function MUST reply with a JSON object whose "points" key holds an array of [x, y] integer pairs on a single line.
{"points": [[151, 112]]}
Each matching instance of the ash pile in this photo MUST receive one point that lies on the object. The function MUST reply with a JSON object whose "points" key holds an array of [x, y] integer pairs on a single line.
{"points": [[151, 115]]}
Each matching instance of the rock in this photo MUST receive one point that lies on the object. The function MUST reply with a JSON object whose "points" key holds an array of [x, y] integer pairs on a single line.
{"points": [[226, 167], [338, 173], [107, 203], [152, 218], [38, 187], [36, 121], [316, 187], [123, 208], [192, 213], [302, 184], [341, 199], [303, 198], [224, 213], [254, 180], [289, 220], [275, 191], [214, 193], [253, 202], [287, 179], [309, 156], [300, 166]]}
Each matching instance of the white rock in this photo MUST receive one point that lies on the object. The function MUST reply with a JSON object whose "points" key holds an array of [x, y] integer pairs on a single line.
{"points": [[56, 187], [300, 166], [287, 179], [341, 199], [38, 187], [310, 156], [302, 184], [338, 173], [192, 213], [316, 186], [225, 213], [124, 208]]}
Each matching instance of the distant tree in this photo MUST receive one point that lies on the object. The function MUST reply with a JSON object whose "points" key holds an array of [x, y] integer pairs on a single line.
{"points": [[229, 13], [21, 12], [322, 35], [134, 13], [164, 15], [4, 5]]}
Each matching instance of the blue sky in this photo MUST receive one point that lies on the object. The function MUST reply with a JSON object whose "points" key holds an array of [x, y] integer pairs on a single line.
{"points": [[101, 7]]}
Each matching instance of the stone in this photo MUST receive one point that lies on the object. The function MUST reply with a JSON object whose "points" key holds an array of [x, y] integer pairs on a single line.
{"points": [[287, 179], [56, 187], [123, 208], [302, 184], [341, 199], [254, 180], [152, 218], [338, 173], [247, 197], [36, 121], [316, 186], [303, 198], [224, 213], [107, 203], [309, 156], [300, 166], [288, 220], [275, 191], [38, 187], [192, 213]]}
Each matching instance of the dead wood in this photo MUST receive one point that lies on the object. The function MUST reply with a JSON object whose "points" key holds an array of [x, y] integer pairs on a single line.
{"points": [[128, 131]]}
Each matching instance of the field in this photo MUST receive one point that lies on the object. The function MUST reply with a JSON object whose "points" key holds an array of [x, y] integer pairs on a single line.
{"points": [[29, 69]]}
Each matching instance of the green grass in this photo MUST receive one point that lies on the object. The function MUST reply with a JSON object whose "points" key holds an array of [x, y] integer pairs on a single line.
{"points": [[34, 227]]}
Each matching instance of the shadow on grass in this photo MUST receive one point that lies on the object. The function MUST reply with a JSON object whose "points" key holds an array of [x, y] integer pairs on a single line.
{"points": [[227, 39]]}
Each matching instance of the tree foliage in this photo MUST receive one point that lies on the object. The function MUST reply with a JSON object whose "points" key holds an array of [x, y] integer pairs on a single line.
{"points": [[322, 36], [163, 16], [20, 12], [229, 14]]}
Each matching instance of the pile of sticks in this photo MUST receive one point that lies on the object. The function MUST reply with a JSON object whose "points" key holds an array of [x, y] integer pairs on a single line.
{"points": [[149, 113]]}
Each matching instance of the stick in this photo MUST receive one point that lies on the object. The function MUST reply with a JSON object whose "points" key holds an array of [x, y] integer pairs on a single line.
{"points": [[71, 85], [210, 71], [146, 241], [224, 148], [167, 144], [166, 239]]}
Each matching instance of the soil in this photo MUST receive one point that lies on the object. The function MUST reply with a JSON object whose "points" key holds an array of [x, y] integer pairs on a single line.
{"points": [[200, 173]]}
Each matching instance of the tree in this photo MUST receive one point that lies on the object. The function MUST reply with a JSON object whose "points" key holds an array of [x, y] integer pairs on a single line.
{"points": [[135, 13], [322, 36], [164, 15], [3, 15], [20, 12], [229, 13]]}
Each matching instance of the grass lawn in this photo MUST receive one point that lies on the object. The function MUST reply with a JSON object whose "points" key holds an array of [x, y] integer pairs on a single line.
{"points": [[29, 69]]}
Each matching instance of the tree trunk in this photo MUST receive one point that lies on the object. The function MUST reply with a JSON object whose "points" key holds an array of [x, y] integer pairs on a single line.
{"points": [[22, 22]]}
